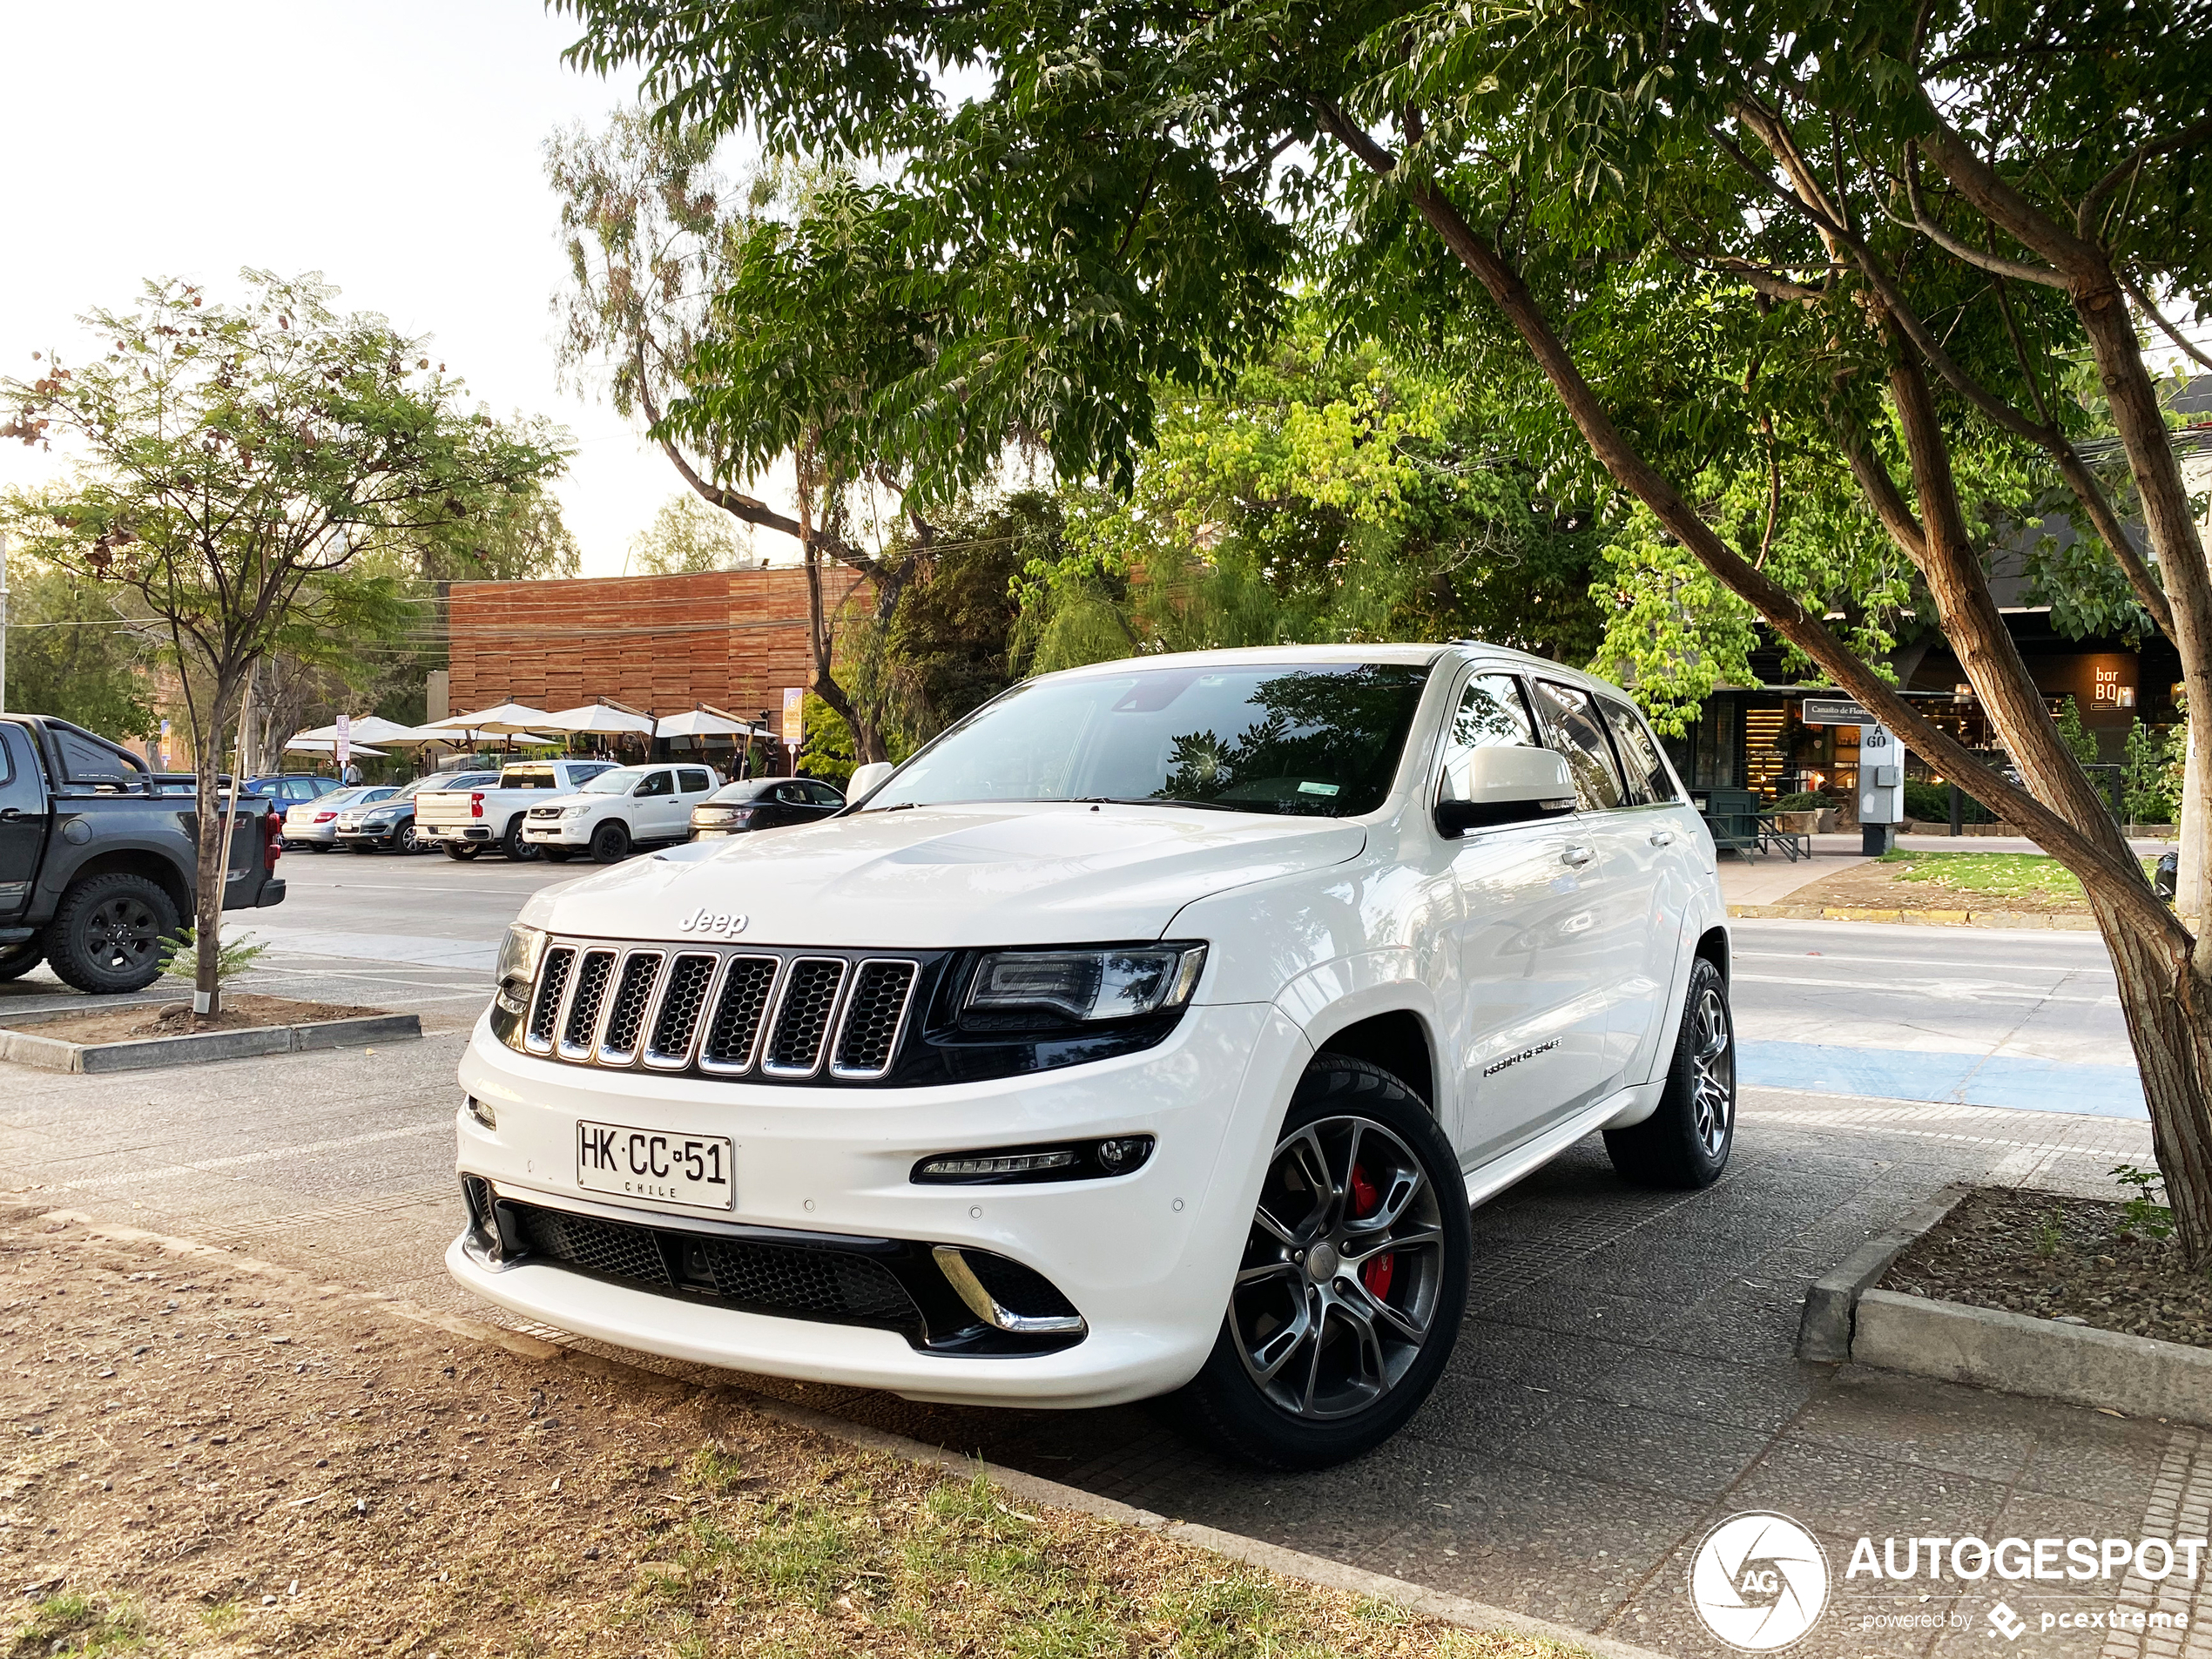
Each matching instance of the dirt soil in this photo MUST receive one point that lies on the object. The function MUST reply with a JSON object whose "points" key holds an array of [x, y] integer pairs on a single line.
{"points": [[242, 1011], [204, 1455], [1880, 886], [2081, 1260]]}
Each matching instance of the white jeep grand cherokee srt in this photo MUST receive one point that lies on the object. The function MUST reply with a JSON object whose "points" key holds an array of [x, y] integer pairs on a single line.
{"points": [[1152, 1029]]}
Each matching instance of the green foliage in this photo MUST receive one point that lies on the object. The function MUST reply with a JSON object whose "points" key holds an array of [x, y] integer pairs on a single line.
{"points": [[1806, 801], [826, 750], [2143, 1215], [947, 649], [2154, 759], [1330, 492], [177, 955], [73, 653], [1929, 803], [686, 535], [2076, 736], [77, 1626]]}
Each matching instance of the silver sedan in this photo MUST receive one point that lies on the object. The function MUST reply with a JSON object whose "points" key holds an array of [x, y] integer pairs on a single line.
{"points": [[314, 824]]}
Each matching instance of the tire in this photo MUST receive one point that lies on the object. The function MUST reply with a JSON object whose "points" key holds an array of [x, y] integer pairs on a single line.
{"points": [[362, 847], [462, 850], [1360, 1131], [106, 936], [17, 959], [404, 839], [1684, 1144], [312, 847], [517, 850], [610, 843], [558, 855]]}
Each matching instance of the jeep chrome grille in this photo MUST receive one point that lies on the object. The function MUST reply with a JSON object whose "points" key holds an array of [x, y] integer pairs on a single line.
{"points": [[784, 1016]]}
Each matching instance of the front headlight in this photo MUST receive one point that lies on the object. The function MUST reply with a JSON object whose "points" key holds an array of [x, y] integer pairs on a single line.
{"points": [[576, 812], [1118, 983], [519, 954], [377, 818]]}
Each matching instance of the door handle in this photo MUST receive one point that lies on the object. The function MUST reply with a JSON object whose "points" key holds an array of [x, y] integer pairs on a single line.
{"points": [[1578, 855], [9, 814], [1663, 837]]}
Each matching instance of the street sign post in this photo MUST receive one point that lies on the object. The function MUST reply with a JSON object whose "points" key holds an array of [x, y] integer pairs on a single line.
{"points": [[794, 721], [1881, 768]]}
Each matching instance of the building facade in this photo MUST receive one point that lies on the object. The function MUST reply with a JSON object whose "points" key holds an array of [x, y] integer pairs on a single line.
{"points": [[661, 643]]}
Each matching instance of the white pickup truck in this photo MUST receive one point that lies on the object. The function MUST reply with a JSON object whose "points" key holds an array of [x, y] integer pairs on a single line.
{"points": [[619, 810], [468, 822]]}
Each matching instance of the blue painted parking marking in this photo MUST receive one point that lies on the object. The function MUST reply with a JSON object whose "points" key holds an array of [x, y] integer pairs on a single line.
{"points": [[2020, 1081]]}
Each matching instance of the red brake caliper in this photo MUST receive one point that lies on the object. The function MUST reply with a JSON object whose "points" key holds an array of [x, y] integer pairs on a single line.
{"points": [[1375, 1274]]}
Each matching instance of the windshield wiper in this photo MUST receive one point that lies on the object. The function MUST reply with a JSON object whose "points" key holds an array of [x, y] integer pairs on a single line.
{"points": [[1155, 800]]}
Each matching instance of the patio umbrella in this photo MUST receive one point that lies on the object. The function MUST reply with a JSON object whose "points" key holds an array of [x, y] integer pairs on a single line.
{"points": [[507, 719], [599, 718], [308, 745], [366, 728], [699, 722]]}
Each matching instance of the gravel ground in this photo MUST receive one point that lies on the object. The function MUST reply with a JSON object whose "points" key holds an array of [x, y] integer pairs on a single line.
{"points": [[2081, 1260], [206, 1454]]}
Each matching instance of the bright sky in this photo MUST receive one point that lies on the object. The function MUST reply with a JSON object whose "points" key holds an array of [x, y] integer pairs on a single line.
{"points": [[393, 146]]}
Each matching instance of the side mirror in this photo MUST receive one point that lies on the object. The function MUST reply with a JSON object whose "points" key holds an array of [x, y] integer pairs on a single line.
{"points": [[1504, 785], [867, 779]]}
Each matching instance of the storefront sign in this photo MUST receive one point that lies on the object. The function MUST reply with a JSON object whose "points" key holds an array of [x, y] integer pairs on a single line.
{"points": [[1835, 710]]}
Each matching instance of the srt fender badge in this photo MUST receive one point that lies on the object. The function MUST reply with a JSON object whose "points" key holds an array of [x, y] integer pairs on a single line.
{"points": [[707, 922]]}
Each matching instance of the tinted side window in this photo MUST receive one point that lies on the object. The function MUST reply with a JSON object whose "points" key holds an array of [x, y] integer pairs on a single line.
{"points": [[656, 783], [1576, 732], [1639, 751], [695, 780], [824, 796], [1493, 714], [791, 794]]}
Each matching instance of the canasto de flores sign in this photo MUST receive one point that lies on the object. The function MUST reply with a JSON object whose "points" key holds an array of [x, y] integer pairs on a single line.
{"points": [[1760, 1582]]}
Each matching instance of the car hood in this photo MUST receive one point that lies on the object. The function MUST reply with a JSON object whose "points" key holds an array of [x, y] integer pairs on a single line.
{"points": [[924, 878], [577, 798]]}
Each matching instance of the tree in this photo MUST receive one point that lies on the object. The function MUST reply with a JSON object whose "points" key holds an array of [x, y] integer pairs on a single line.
{"points": [[72, 653], [236, 464], [1852, 241], [685, 536], [1332, 491]]}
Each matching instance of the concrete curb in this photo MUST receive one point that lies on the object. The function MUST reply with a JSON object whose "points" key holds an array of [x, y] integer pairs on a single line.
{"points": [[54, 1054], [1824, 1328], [2017, 1354], [1286, 1563], [2013, 921]]}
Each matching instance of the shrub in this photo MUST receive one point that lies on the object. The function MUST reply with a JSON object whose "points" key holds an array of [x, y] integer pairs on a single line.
{"points": [[1929, 803], [1809, 801]]}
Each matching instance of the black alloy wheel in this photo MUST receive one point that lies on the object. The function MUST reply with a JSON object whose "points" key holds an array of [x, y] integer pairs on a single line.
{"points": [[1686, 1141], [1349, 1295], [106, 937], [610, 843]]}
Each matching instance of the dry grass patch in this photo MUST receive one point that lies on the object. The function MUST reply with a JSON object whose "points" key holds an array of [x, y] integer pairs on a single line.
{"points": [[202, 1457]]}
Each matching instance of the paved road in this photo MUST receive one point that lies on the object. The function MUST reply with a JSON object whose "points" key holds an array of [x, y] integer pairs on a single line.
{"points": [[1628, 1374]]}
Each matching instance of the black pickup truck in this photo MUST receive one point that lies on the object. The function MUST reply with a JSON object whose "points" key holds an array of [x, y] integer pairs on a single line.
{"points": [[96, 856]]}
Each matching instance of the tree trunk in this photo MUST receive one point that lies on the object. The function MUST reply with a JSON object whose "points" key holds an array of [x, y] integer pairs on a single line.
{"points": [[212, 864], [2189, 880], [2169, 1009]]}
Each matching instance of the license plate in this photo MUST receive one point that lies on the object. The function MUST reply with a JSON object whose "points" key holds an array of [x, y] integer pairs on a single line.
{"points": [[696, 1171]]}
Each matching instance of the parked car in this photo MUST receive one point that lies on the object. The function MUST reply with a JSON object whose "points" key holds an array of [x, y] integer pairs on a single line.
{"points": [[465, 820], [287, 790], [1150, 1030], [388, 824], [763, 803], [630, 807], [314, 824], [98, 856]]}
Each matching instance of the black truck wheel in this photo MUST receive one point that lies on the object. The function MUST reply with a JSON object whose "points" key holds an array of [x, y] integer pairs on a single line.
{"points": [[18, 960], [105, 938]]}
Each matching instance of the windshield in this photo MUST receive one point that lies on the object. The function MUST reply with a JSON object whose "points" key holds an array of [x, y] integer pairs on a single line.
{"points": [[1319, 741], [744, 789], [620, 781]]}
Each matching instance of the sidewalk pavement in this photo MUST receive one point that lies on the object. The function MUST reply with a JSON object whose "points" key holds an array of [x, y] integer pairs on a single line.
{"points": [[1769, 878]]}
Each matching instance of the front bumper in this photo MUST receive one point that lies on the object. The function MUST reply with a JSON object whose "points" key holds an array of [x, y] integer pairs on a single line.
{"points": [[380, 834], [559, 831], [1146, 1259]]}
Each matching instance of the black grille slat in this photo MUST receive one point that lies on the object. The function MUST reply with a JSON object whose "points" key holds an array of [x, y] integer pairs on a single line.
{"points": [[1018, 1289], [870, 1029], [833, 1285], [591, 979], [553, 980], [803, 1016], [681, 1004], [608, 1247], [730, 1039], [627, 1017]]}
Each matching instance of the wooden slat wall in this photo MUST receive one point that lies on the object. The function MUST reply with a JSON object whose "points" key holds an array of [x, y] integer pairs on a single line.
{"points": [[734, 638]]}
